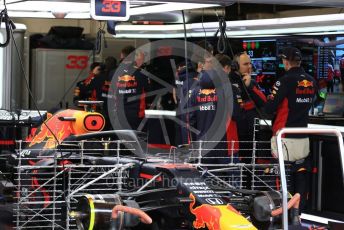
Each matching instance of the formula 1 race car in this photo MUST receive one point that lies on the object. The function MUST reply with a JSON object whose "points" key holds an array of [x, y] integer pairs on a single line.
{"points": [[168, 190], [179, 196]]}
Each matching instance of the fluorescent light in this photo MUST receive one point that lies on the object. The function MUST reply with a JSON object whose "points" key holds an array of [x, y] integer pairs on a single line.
{"points": [[208, 30], [71, 15], [167, 7], [324, 33], [45, 6], [159, 28], [257, 36], [295, 30], [78, 15], [194, 35], [43, 9], [244, 33], [157, 35], [272, 22]]}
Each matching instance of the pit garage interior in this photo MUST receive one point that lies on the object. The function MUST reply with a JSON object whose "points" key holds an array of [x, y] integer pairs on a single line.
{"points": [[66, 164]]}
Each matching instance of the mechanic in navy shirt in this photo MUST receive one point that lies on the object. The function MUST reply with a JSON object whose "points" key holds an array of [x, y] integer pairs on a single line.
{"points": [[253, 101], [131, 86], [186, 80], [206, 104], [291, 99]]}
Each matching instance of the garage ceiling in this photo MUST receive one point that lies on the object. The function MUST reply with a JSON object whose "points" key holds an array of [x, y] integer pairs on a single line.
{"points": [[323, 3], [46, 8], [196, 11]]}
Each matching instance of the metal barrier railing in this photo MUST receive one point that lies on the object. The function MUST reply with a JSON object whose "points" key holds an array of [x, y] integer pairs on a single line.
{"points": [[282, 165], [47, 192]]}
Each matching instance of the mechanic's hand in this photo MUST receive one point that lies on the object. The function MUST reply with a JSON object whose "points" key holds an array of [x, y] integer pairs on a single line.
{"points": [[247, 79]]}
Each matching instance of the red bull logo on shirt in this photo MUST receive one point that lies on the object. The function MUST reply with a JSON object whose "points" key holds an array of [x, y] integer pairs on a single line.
{"points": [[304, 87], [207, 92], [126, 78], [207, 95], [304, 83], [126, 81]]}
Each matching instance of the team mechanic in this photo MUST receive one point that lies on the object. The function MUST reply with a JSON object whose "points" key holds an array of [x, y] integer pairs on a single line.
{"points": [[205, 104], [290, 101], [252, 102], [130, 89]]}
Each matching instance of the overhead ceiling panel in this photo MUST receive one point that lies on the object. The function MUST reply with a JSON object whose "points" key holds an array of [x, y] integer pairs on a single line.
{"points": [[330, 23], [81, 9], [326, 3], [220, 2], [144, 10]]}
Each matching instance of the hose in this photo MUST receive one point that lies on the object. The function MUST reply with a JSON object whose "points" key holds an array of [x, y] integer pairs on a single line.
{"points": [[144, 218], [222, 42], [293, 202], [98, 43], [9, 25]]}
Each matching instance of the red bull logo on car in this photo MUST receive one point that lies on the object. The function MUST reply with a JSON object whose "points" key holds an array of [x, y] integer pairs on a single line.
{"points": [[59, 130], [218, 217]]}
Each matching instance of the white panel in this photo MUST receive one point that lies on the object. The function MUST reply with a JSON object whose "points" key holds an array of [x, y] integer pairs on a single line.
{"points": [[72, 74], [16, 77], [10, 71], [54, 72], [6, 73]]}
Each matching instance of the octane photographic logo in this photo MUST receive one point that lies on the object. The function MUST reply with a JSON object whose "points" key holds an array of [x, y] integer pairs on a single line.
{"points": [[124, 94]]}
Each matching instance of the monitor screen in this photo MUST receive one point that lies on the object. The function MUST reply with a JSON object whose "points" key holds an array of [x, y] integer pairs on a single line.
{"points": [[334, 104], [257, 66], [260, 49], [340, 48]]}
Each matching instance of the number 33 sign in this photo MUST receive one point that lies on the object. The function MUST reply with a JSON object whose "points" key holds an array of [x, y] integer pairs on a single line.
{"points": [[110, 10]]}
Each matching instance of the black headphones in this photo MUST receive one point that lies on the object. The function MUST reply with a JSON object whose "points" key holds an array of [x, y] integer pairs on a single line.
{"points": [[235, 64]]}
